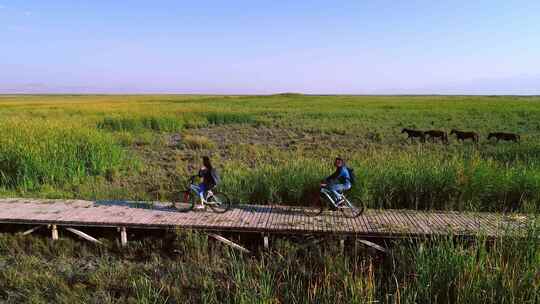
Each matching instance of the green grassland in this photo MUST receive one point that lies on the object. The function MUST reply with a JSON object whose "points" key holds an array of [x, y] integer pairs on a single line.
{"points": [[188, 268], [272, 149]]}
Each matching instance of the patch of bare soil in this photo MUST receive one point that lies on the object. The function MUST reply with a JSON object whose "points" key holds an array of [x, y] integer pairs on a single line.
{"points": [[225, 136]]}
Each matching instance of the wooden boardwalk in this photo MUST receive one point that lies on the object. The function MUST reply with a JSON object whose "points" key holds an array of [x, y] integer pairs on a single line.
{"points": [[258, 219]]}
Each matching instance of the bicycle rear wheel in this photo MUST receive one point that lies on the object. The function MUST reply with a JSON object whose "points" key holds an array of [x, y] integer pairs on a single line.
{"points": [[187, 201], [312, 210], [219, 202], [319, 206], [351, 210]]}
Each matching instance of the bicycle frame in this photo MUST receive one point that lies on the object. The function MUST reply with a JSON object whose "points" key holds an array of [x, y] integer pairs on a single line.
{"points": [[208, 193], [329, 195]]}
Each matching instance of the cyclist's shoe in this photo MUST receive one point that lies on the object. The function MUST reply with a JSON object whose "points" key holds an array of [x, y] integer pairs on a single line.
{"points": [[337, 198], [199, 207]]}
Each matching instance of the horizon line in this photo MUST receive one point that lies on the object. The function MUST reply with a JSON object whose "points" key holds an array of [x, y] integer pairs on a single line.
{"points": [[255, 94]]}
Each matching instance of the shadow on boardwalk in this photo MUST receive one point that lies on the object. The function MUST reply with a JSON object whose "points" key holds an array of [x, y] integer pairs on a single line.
{"points": [[183, 207]]}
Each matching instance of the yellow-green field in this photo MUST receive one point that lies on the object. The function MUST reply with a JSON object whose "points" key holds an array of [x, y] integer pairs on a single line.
{"points": [[272, 148]]}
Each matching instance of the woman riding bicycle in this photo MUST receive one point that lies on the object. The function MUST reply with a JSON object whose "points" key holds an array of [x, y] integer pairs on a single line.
{"points": [[210, 179], [339, 181]]}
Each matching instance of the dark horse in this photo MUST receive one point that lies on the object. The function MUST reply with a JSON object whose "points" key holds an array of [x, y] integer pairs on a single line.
{"points": [[504, 136], [465, 135], [436, 134], [414, 133]]}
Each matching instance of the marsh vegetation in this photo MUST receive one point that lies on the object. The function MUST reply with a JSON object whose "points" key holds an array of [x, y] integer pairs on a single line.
{"points": [[189, 268], [271, 149]]}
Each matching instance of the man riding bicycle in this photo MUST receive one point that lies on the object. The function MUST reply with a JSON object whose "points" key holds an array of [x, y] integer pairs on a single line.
{"points": [[339, 181], [210, 179]]}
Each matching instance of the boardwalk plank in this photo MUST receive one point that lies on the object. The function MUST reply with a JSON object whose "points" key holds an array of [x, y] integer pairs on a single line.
{"points": [[428, 222], [417, 222]]}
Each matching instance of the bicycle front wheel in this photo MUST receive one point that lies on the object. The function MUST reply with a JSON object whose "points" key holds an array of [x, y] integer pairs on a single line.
{"points": [[219, 202], [351, 210]]}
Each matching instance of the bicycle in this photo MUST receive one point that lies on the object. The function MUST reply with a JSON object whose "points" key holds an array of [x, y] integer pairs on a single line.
{"points": [[217, 201], [327, 199]]}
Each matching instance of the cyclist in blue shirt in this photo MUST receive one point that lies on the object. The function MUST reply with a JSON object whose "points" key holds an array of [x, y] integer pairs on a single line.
{"points": [[339, 181]]}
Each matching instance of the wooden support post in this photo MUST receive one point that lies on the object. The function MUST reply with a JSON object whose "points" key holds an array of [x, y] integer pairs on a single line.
{"points": [[54, 231], [83, 235], [27, 232], [228, 242], [123, 236], [265, 242], [373, 245], [342, 244]]}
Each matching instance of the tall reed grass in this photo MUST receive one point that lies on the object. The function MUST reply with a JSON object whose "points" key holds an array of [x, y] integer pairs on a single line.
{"points": [[34, 153], [412, 180], [446, 271], [160, 124], [189, 268], [223, 118], [165, 122]]}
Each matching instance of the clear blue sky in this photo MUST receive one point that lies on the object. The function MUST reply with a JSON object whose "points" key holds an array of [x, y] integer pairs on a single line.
{"points": [[358, 47]]}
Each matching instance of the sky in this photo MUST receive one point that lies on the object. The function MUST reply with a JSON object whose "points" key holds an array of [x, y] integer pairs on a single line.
{"points": [[270, 46]]}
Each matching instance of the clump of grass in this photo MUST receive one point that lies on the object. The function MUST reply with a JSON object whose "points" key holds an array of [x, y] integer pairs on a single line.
{"points": [[159, 124], [35, 153], [193, 120], [511, 153], [283, 181], [464, 181], [145, 291], [446, 271], [283, 275], [224, 118], [198, 142], [127, 139], [412, 181]]}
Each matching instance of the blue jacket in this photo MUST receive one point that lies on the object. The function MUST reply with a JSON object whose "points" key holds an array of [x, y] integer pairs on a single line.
{"points": [[341, 175]]}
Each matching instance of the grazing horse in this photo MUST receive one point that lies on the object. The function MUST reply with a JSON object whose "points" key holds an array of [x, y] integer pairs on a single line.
{"points": [[504, 136], [465, 135], [436, 134], [414, 133]]}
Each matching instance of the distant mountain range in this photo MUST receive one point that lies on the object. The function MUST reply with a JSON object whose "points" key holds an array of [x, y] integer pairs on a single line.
{"points": [[520, 85]]}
